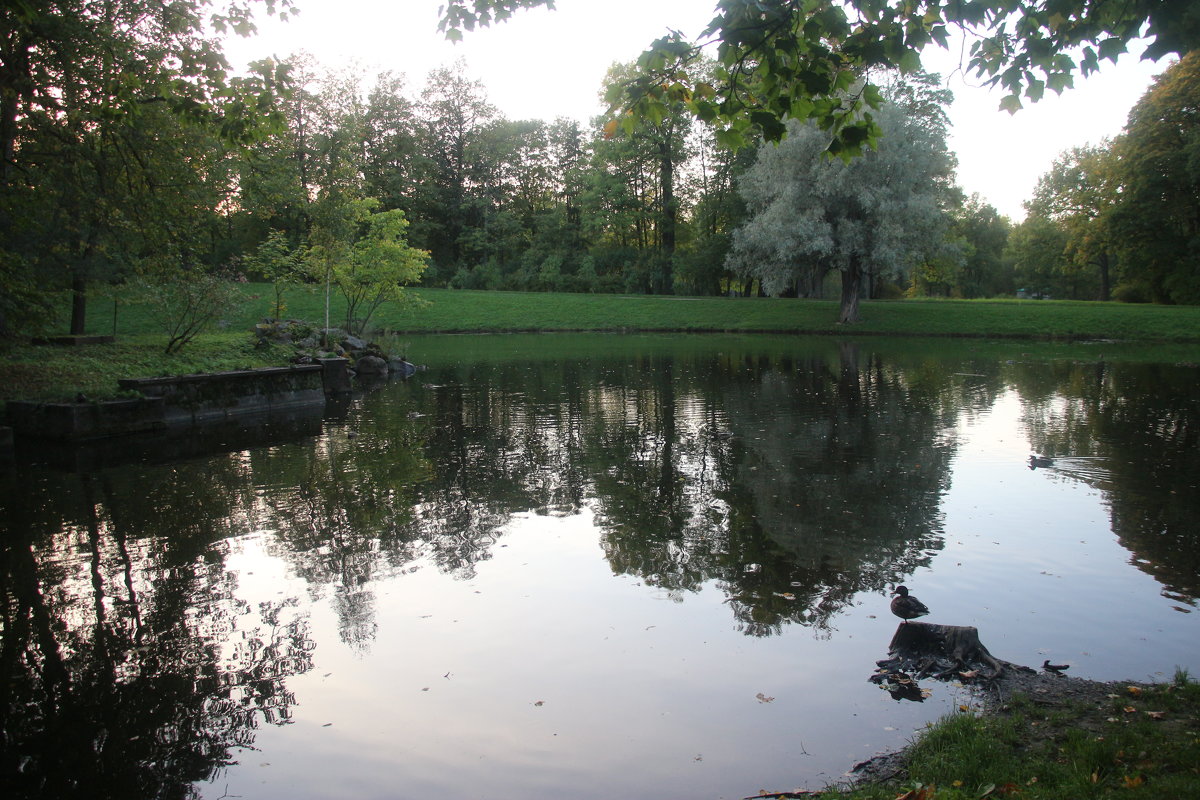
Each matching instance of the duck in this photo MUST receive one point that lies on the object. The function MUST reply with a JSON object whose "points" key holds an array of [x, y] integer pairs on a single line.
{"points": [[907, 607]]}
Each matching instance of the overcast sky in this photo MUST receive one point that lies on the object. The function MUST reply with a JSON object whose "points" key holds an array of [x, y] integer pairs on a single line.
{"points": [[546, 64]]}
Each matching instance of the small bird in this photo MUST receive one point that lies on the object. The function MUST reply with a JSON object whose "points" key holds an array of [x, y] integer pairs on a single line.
{"points": [[907, 607]]}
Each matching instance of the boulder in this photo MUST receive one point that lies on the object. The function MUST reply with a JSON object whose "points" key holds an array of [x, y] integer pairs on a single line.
{"points": [[371, 365]]}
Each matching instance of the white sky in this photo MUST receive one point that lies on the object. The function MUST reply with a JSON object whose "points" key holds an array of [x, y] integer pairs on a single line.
{"points": [[546, 64]]}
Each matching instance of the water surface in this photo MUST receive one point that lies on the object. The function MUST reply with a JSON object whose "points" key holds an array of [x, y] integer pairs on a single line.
{"points": [[631, 566]]}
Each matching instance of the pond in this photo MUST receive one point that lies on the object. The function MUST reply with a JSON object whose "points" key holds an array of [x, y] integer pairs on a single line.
{"points": [[590, 567]]}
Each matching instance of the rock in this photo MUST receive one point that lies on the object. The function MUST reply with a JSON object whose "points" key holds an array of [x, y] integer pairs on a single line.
{"points": [[353, 343], [371, 365], [399, 366]]}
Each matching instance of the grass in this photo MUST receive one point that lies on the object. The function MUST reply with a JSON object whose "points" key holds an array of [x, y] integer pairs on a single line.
{"points": [[51, 372], [1139, 742], [57, 373], [445, 310]]}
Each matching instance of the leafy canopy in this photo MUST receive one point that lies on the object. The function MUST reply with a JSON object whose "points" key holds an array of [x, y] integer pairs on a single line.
{"points": [[797, 59]]}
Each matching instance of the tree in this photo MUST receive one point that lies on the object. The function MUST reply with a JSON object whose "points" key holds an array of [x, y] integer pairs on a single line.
{"points": [[1080, 193], [454, 115], [1157, 221], [797, 59], [363, 253], [79, 81], [985, 272], [875, 217], [1037, 250], [658, 146]]}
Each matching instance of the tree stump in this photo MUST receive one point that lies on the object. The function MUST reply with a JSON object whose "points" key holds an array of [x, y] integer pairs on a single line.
{"points": [[925, 649], [952, 647]]}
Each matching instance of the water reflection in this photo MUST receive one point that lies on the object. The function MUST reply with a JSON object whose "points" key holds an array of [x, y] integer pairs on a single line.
{"points": [[1130, 431], [794, 478]]}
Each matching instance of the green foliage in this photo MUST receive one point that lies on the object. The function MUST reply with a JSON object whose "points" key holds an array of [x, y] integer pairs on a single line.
{"points": [[1157, 222], [115, 119], [1080, 194], [364, 254], [279, 262], [874, 218], [185, 304], [796, 59]]}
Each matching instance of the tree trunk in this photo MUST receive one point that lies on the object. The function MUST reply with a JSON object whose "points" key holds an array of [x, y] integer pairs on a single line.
{"points": [[943, 650], [78, 300], [1102, 262], [666, 174], [851, 287]]}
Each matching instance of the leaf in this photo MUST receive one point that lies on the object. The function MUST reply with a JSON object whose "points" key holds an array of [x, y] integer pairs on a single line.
{"points": [[909, 62], [1011, 103], [610, 128]]}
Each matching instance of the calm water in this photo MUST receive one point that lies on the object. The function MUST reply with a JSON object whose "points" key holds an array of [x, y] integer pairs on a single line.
{"points": [[589, 567]]}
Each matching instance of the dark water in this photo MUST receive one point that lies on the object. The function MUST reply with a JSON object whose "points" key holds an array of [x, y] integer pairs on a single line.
{"points": [[589, 567]]}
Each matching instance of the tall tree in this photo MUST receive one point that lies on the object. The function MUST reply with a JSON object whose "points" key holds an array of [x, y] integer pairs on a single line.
{"points": [[454, 114], [1037, 251], [874, 217], [1158, 217], [985, 272], [1080, 193], [77, 81]]}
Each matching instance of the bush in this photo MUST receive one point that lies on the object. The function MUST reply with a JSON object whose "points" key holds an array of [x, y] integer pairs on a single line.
{"points": [[1131, 293]]}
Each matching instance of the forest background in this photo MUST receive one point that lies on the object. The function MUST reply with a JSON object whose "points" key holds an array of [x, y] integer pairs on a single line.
{"points": [[135, 157]]}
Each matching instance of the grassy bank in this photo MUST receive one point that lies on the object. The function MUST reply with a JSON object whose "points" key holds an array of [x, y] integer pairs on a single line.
{"points": [[55, 373], [470, 311], [1064, 740]]}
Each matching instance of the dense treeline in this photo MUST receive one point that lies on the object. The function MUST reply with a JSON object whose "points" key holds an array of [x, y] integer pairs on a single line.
{"points": [[1121, 219], [131, 154]]}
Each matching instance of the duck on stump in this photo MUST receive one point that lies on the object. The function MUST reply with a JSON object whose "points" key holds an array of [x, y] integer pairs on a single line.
{"points": [[907, 607]]}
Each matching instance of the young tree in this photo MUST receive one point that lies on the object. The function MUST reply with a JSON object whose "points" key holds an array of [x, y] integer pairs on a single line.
{"points": [[874, 217], [364, 254]]}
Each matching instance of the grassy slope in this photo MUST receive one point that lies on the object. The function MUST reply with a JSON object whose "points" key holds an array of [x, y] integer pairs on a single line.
{"points": [[1136, 742]]}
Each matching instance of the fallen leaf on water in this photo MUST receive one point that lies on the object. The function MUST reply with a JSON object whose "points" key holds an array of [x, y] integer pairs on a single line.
{"points": [[540, 703], [762, 698], [785, 595]]}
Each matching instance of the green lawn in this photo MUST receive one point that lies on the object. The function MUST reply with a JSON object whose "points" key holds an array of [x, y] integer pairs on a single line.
{"points": [[46, 372], [448, 310]]}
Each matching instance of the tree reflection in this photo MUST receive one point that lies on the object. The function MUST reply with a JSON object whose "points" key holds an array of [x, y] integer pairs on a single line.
{"points": [[823, 470], [132, 668], [1131, 431], [794, 476]]}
